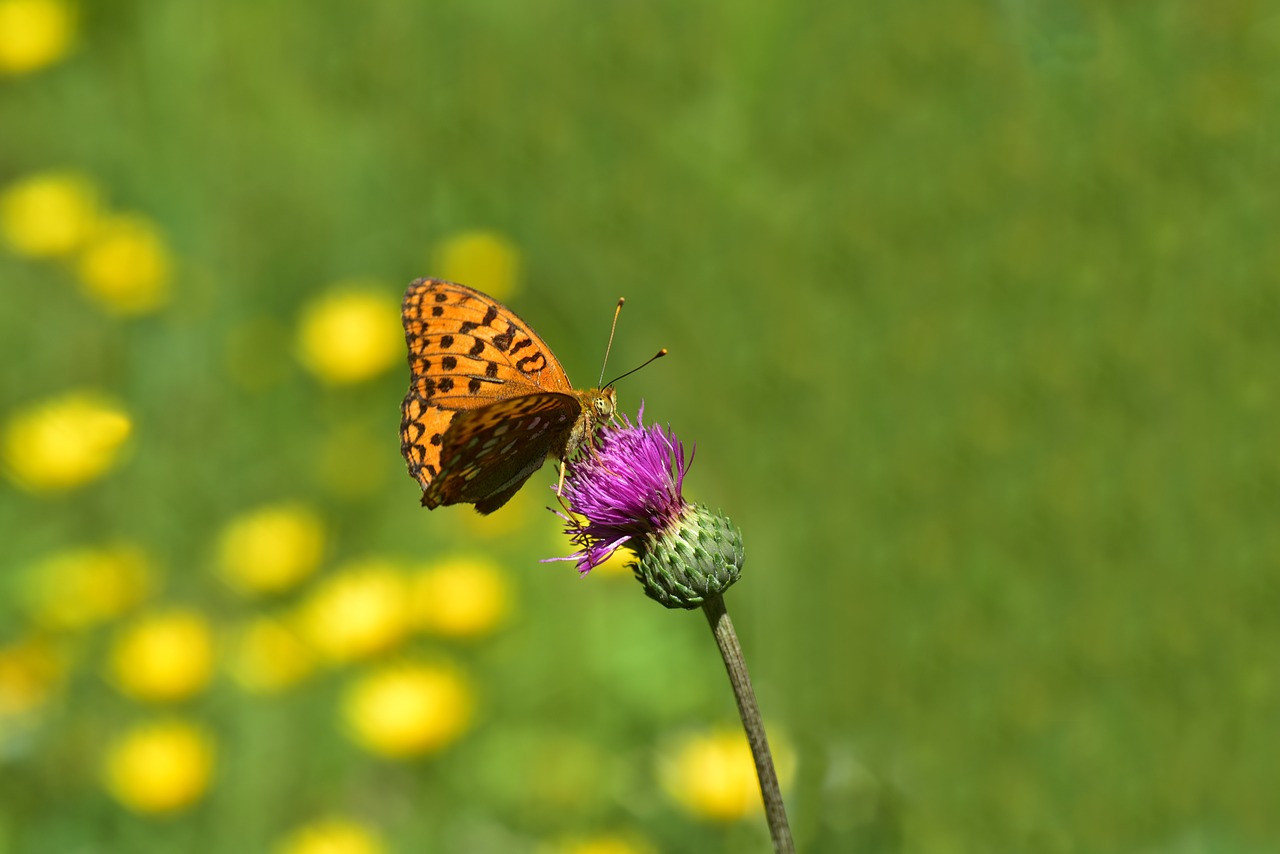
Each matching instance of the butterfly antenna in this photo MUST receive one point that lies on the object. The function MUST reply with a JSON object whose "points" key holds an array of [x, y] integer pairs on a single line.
{"points": [[655, 357], [612, 328]]}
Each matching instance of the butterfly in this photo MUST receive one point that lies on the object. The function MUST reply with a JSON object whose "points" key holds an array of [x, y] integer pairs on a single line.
{"points": [[488, 401]]}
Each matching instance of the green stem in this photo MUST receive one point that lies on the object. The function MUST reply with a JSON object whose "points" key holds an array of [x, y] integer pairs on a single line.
{"points": [[727, 639]]}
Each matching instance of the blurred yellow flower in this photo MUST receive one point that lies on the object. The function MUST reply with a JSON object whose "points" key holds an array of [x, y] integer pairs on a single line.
{"points": [[405, 710], [270, 549], [610, 844], [713, 775], [63, 442], [485, 260], [332, 836], [267, 656], [167, 655], [618, 564], [30, 671], [510, 520], [463, 597], [77, 588], [33, 34], [48, 214], [360, 610], [126, 266], [160, 767], [351, 333]]}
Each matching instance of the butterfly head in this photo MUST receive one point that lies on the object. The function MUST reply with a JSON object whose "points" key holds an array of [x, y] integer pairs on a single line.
{"points": [[605, 402], [598, 408]]}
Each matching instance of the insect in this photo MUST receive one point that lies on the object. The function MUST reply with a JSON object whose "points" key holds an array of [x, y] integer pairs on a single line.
{"points": [[488, 401]]}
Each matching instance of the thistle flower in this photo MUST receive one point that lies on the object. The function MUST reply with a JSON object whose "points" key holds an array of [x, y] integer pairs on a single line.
{"points": [[629, 490]]}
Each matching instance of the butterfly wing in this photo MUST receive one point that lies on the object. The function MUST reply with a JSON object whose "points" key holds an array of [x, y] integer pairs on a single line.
{"points": [[422, 431], [487, 454], [466, 350], [470, 354]]}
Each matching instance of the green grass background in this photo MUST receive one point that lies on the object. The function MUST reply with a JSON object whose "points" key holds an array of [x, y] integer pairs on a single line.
{"points": [[973, 315]]}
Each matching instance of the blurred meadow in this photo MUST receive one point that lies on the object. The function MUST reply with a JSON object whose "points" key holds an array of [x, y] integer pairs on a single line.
{"points": [[973, 317]]}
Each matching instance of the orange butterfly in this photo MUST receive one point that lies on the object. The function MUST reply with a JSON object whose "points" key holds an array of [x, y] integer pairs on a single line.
{"points": [[488, 401]]}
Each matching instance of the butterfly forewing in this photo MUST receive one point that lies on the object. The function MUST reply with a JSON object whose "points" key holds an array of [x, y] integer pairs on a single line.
{"points": [[464, 348], [488, 401], [422, 431]]}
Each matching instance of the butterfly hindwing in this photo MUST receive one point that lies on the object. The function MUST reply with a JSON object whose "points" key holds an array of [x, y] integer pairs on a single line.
{"points": [[489, 453]]}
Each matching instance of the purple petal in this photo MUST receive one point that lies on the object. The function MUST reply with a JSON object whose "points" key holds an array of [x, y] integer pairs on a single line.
{"points": [[626, 486]]}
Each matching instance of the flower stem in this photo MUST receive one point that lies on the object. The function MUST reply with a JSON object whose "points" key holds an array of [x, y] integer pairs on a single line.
{"points": [[727, 639]]}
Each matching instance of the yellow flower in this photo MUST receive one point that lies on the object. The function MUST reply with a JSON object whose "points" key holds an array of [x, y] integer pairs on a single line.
{"points": [[405, 710], [713, 775], [64, 442], [464, 597], [77, 588], [160, 767], [332, 836], [350, 334], [166, 655], [126, 267], [48, 214], [30, 671], [511, 520], [610, 844], [618, 564], [360, 610], [484, 260], [268, 656], [33, 34], [270, 549]]}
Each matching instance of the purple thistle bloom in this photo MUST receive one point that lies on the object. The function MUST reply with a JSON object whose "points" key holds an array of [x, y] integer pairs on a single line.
{"points": [[628, 489], [627, 486]]}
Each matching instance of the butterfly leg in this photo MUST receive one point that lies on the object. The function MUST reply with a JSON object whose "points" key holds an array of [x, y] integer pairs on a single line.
{"points": [[568, 511]]}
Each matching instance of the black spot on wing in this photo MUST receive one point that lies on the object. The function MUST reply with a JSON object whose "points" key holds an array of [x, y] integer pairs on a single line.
{"points": [[532, 364], [503, 341]]}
